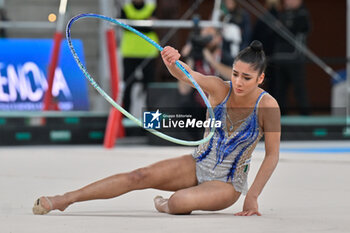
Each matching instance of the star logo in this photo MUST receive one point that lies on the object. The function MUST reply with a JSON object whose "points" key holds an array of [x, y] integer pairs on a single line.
{"points": [[156, 115], [151, 120]]}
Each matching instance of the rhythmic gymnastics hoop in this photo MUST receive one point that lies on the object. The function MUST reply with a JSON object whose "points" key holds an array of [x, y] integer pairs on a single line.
{"points": [[117, 106]]}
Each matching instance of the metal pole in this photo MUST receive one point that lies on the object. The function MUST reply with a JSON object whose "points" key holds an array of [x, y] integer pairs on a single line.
{"points": [[99, 103], [215, 17], [27, 25], [61, 16], [169, 23], [114, 127], [47, 102]]}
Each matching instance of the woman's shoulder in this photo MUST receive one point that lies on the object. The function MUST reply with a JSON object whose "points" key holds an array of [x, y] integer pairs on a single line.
{"points": [[268, 101], [269, 113]]}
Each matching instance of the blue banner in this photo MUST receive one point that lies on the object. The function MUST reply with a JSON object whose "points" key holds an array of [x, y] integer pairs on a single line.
{"points": [[23, 75]]}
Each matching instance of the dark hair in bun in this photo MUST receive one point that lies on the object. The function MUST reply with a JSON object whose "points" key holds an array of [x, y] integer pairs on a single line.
{"points": [[254, 55], [256, 45]]}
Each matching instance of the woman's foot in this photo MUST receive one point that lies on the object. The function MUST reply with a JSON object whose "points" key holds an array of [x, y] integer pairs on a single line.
{"points": [[161, 204], [44, 205]]}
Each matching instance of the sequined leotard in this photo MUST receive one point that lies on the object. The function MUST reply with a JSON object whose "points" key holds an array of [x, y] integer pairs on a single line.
{"points": [[226, 157]]}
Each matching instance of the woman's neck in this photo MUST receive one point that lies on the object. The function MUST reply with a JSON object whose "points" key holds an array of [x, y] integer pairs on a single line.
{"points": [[247, 100]]}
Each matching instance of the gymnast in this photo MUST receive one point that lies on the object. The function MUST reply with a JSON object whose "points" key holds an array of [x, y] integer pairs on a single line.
{"points": [[215, 175]]}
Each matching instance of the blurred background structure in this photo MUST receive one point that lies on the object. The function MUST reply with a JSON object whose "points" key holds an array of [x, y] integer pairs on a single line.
{"points": [[81, 117]]}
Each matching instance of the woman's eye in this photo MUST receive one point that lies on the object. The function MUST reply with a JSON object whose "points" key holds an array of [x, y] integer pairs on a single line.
{"points": [[247, 78], [235, 75]]}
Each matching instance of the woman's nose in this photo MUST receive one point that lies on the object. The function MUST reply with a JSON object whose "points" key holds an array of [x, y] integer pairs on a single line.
{"points": [[238, 81]]}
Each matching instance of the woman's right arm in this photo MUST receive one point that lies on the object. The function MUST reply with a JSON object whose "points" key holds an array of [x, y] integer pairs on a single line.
{"points": [[210, 84]]}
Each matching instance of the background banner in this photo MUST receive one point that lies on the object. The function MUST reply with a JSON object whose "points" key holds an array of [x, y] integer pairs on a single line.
{"points": [[23, 75]]}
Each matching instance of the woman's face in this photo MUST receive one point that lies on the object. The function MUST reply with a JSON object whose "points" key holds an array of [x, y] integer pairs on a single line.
{"points": [[292, 4], [244, 78], [230, 4], [216, 37]]}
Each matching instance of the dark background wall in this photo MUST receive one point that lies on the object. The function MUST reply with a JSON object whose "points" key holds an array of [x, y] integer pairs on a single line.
{"points": [[327, 40]]}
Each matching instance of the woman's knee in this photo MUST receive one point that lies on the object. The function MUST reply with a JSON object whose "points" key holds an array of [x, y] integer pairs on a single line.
{"points": [[139, 177]]}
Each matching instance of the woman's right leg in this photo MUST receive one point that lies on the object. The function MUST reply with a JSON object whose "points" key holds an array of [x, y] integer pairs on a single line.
{"points": [[169, 175]]}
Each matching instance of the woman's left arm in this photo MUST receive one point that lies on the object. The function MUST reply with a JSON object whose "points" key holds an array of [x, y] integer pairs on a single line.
{"points": [[272, 130]]}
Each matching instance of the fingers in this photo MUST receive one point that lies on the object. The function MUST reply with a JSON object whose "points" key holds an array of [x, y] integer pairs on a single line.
{"points": [[170, 55], [243, 213], [248, 213]]}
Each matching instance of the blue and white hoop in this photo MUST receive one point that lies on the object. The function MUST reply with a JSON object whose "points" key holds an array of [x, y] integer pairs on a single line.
{"points": [[117, 106]]}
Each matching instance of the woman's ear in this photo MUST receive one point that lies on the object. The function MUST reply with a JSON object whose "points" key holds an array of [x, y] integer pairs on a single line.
{"points": [[261, 78]]}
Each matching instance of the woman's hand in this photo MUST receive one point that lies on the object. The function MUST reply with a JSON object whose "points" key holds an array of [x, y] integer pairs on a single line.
{"points": [[250, 207], [170, 55]]}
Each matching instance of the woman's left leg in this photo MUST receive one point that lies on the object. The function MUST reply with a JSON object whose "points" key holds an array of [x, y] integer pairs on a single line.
{"points": [[211, 195], [168, 175]]}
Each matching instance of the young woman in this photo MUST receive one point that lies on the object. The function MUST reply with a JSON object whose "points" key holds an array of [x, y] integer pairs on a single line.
{"points": [[215, 175]]}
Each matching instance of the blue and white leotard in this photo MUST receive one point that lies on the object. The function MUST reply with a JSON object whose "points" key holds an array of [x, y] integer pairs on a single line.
{"points": [[226, 157]]}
